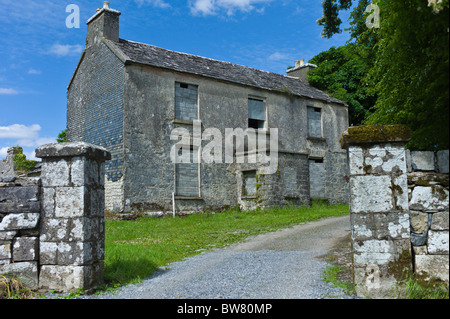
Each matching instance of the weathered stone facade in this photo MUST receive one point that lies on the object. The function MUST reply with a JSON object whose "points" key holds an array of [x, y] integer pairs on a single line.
{"points": [[399, 217], [128, 97], [52, 227]]}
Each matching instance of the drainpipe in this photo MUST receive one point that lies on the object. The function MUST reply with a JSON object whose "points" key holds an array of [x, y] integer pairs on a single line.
{"points": [[173, 204]]}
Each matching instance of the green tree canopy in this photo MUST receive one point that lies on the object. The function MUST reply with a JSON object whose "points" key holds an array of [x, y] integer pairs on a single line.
{"points": [[411, 72], [62, 137], [341, 72], [407, 69]]}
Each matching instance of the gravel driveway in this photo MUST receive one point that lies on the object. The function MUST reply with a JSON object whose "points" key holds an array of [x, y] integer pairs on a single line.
{"points": [[279, 265]]}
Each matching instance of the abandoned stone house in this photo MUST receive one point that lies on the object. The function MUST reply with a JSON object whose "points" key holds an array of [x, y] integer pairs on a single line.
{"points": [[128, 97]]}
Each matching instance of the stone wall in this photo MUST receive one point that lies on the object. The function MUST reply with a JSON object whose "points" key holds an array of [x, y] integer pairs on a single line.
{"points": [[20, 200], [399, 217], [428, 187], [52, 227], [7, 165]]}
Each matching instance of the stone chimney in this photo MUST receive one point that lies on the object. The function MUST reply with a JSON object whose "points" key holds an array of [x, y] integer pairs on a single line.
{"points": [[301, 69], [103, 24]]}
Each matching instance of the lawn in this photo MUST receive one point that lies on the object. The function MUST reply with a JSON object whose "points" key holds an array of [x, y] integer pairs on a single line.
{"points": [[135, 249]]}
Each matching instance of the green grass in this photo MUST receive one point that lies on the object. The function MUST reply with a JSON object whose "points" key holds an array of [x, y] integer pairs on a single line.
{"points": [[331, 274], [135, 249]]}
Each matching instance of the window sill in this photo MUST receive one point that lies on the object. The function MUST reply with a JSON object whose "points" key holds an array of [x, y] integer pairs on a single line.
{"points": [[184, 122], [316, 139], [188, 197]]}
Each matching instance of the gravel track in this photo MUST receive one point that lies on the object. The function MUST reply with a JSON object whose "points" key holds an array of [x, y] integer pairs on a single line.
{"points": [[279, 265]]}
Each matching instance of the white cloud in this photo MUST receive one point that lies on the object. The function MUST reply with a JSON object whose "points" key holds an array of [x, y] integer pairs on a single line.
{"points": [[156, 3], [25, 136], [278, 56], [211, 7], [19, 131], [8, 91], [3, 152], [33, 71], [66, 49]]}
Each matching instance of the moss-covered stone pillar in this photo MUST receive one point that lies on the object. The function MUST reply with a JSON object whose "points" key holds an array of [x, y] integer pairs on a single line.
{"points": [[72, 230], [380, 227]]}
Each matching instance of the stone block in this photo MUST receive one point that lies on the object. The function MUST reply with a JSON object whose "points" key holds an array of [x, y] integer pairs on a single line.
{"points": [[394, 225], [442, 161], [440, 221], [55, 172], [73, 149], [67, 278], [431, 198], [27, 272], [5, 251], [19, 194], [438, 242], [25, 249], [7, 235], [372, 281], [422, 161], [432, 266], [381, 159], [373, 193], [70, 202], [84, 172], [20, 207], [373, 252], [419, 222], [408, 161], [19, 221]]}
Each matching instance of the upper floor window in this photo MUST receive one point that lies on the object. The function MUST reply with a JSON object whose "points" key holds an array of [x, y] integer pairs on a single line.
{"points": [[256, 113], [186, 101], [314, 122]]}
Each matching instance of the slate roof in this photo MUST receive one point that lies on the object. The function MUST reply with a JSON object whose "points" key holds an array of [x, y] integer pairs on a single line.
{"points": [[225, 71]]}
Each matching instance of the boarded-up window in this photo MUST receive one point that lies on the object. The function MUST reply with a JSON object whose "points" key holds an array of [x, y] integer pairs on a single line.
{"points": [[317, 176], [186, 101], [314, 122], [249, 183], [186, 177], [290, 181], [256, 113]]}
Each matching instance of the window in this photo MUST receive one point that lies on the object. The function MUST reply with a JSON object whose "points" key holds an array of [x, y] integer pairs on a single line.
{"points": [[186, 177], [249, 183], [317, 175], [290, 181], [186, 105], [314, 122], [256, 113]]}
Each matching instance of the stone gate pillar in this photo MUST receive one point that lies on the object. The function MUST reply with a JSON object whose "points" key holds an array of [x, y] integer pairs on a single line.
{"points": [[72, 226], [379, 212]]}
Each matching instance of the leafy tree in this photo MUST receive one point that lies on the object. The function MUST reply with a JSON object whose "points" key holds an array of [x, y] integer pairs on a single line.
{"points": [[341, 72], [330, 19], [411, 71], [62, 137], [22, 165]]}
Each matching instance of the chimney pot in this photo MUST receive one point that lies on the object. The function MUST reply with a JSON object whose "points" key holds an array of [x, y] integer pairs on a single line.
{"points": [[302, 62], [105, 5], [297, 63]]}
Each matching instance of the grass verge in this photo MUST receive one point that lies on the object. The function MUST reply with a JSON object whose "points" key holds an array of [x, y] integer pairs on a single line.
{"points": [[135, 249]]}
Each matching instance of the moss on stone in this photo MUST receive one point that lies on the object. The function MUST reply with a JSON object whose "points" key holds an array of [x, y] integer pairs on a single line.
{"points": [[373, 134]]}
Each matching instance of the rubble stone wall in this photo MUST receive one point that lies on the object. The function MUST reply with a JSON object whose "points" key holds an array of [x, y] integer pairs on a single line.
{"points": [[52, 227], [398, 209]]}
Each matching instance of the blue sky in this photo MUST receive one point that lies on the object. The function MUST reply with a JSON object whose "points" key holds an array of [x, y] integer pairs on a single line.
{"points": [[38, 53]]}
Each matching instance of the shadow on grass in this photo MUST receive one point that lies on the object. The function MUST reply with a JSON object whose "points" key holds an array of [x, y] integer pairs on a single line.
{"points": [[125, 272]]}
